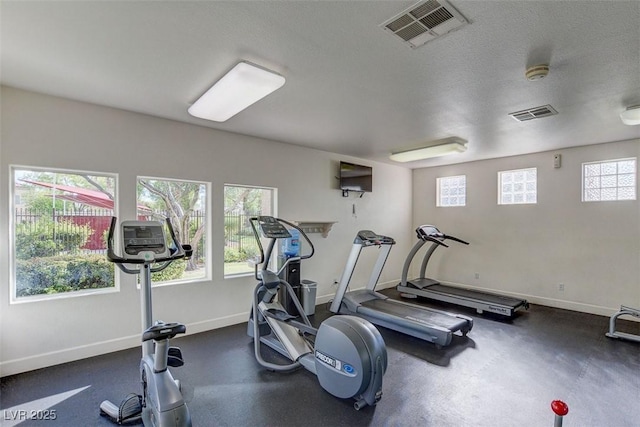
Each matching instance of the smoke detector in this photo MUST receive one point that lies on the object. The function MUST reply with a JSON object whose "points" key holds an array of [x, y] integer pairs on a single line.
{"points": [[537, 72]]}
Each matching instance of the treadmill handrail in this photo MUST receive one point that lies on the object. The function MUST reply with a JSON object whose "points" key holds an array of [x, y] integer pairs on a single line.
{"points": [[425, 233], [431, 250], [370, 238], [363, 239], [431, 233], [455, 239]]}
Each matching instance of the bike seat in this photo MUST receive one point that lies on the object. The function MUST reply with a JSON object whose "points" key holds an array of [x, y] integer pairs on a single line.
{"points": [[163, 331]]}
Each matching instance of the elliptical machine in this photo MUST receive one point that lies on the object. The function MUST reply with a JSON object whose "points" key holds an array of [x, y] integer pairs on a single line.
{"points": [[161, 404], [348, 355]]}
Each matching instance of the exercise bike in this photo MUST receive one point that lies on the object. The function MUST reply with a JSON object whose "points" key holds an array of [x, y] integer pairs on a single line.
{"points": [[144, 245], [346, 353]]}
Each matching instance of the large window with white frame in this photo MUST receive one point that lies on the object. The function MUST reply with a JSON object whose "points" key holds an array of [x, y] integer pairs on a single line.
{"points": [[185, 204], [451, 191], [59, 219], [519, 186], [240, 204], [609, 180]]}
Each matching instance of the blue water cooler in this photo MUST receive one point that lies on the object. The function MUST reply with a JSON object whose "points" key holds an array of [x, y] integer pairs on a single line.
{"points": [[290, 248]]}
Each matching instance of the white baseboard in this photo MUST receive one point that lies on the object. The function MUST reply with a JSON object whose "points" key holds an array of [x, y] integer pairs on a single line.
{"points": [[532, 299], [43, 360]]}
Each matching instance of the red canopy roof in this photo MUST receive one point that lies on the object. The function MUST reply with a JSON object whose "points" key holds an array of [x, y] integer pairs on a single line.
{"points": [[78, 195], [86, 196]]}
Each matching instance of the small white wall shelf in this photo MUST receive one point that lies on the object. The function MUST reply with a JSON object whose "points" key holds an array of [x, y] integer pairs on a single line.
{"points": [[316, 226]]}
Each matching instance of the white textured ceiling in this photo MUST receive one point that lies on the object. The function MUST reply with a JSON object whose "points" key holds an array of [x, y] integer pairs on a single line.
{"points": [[351, 87]]}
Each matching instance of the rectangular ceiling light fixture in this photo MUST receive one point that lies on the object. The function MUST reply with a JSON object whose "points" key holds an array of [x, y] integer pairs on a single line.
{"points": [[436, 149], [631, 116], [241, 87]]}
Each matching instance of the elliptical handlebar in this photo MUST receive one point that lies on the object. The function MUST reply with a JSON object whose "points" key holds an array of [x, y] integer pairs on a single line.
{"points": [[177, 252], [275, 230]]}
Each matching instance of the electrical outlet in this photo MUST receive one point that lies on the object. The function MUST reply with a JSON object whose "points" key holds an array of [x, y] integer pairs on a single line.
{"points": [[477, 275], [561, 287]]}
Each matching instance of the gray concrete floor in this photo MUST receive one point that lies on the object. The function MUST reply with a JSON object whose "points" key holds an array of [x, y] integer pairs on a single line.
{"points": [[505, 373]]}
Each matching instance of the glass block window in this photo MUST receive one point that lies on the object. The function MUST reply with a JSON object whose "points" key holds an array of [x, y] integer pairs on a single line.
{"points": [[451, 191], [609, 180], [517, 187]]}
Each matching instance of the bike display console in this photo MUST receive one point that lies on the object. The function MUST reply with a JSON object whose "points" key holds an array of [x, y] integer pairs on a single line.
{"points": [[139, 237]]}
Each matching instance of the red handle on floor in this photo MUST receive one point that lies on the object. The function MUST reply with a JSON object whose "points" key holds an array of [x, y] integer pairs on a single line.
{"points": [[560, 409]]}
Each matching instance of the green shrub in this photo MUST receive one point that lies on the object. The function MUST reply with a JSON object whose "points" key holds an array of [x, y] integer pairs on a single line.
{"points": [[173, 272], [90, 272], [239, 255], [36, 276], [72, 236], [231, 255], [64, 273], [28, 246], [68, 273], [46, 238]]}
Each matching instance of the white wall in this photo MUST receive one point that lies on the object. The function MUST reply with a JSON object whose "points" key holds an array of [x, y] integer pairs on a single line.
{"points": [[528, 250], [592, 248], [43, 131]]}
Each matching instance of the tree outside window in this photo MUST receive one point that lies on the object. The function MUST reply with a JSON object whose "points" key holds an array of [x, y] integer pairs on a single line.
{"points": [[185, 204]]}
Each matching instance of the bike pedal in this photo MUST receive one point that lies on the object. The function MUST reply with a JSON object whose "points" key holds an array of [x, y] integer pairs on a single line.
{"points": [[174, 358]]}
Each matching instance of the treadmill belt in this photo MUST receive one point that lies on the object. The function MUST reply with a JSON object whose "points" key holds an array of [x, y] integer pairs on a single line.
{"points": [[475, 295], [419, 315]]}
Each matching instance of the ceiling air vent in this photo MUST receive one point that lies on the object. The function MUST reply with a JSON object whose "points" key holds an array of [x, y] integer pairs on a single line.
{"points": [[424, 21], [534, 113]]}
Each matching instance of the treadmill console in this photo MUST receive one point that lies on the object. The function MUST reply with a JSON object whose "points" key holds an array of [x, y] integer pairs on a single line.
{"points": [[272, 228], [428, 231], [144, 240], [368, 238]]}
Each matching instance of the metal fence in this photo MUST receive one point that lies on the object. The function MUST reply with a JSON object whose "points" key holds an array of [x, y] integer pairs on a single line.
{"points": [[66, 222], [238, 234]]}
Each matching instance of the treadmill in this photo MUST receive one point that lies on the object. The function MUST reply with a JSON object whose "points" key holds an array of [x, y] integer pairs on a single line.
{"points": [[418, 321], [430, 288]]}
